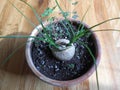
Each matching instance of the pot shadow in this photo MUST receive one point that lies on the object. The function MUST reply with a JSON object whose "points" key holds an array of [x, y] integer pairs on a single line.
{"points": [[15, 48], [17, 62]]}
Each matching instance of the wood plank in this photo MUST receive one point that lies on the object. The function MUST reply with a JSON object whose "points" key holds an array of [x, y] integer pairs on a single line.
{"points": [[16, 75]]}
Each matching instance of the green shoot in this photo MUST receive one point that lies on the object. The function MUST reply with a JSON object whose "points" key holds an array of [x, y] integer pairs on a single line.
{"points": [[75, 3], [108, 30], [90, 52], [72, 66], [80, 32], [64, 15], [83, 18], [75, 16], [47, 31], [34, 11], [31, 23], [104, 22], [48, 11], [23, 36], [12, 53], [83, 31], [68, 33], [47, 36]]}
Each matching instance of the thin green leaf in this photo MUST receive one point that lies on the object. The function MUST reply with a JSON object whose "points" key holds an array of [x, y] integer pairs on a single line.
{"points": [[23, 14], [81, 29], [72, 66], [74, 12], [87, 32], [48, 11], [9, 56], [66, 14], [73, 33], [84, 16], [90, 52], [117, 30], [75, 3], [69, 0], [35, 13], [68, 33], [49, 38], [104, 22], [75, 16], [80, 32], [51, 19], [23, 36]]}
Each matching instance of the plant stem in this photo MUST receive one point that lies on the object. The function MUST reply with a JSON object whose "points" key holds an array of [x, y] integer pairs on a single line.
{"points": [[107, 30], [94, 63], [66, 30], [65, 18], [49, 38], [83, 17], [22, 14], [22, 36], [38, 38], [9, 56], [104, 22]]}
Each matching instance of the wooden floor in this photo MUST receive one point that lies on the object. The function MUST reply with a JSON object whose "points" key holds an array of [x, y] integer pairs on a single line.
{"points": [[16, 75]]}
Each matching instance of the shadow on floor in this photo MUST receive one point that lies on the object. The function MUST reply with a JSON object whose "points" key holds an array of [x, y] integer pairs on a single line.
{"points": [[17, 62], [14, 49]]}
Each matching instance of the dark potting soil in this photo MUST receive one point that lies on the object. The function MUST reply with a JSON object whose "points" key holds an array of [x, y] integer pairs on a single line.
{"points": [[48, 65]]}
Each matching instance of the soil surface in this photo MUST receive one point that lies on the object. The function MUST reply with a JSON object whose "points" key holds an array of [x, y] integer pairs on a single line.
{"points": [[48, 65]]}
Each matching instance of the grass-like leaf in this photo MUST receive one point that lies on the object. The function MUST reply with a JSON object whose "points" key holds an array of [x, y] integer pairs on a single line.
{"points": [[108, 30], [9, 56], [73, 33], [22, 36], [68, 33], [34, 11], [37, 38], [31, 23], [75, 3], [51, 19], [48, 11], [104, 22], [47, 36], [84, 17], [80, 31], [94, 59], [69, 0], [75, 16]]}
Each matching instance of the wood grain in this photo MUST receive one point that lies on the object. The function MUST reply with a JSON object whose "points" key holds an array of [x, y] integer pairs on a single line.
{"points": [[16, 75]]}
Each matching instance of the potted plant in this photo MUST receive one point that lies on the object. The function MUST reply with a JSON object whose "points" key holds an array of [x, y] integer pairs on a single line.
{"points": [[67, 64], [62, 51]]}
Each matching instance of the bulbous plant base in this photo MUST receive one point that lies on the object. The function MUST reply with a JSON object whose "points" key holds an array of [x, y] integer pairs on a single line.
{"points": [[63, 52]]}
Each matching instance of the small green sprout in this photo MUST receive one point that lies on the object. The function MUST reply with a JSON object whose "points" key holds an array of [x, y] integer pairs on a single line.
{"points": [[72, 66], [75, 3], [48, 11]]}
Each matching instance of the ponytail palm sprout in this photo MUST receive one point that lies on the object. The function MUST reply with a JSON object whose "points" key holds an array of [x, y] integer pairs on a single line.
{"points": [[73, 35]]}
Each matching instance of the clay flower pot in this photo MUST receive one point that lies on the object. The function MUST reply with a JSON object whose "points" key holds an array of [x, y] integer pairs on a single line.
{"points": [[59, 82]]}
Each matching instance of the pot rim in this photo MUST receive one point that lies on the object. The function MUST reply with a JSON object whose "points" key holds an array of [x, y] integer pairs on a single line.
{"points": [[57, 82]]}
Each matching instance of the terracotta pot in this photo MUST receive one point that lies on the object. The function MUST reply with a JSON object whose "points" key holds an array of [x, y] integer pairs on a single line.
{"points": [[57, 82]]}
